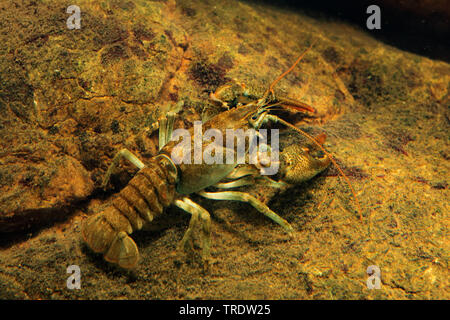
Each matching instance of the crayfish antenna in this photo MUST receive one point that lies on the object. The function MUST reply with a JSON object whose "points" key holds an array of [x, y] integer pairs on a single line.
{"points": [[270, 90], [296, 105], [329, 156]]}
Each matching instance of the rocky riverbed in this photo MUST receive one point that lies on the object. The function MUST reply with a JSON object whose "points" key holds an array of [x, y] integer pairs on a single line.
{"points": [[71, 98]]}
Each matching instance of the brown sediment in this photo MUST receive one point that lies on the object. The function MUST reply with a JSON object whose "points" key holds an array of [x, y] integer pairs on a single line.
{"points": [[384, 111], [208, 75]]}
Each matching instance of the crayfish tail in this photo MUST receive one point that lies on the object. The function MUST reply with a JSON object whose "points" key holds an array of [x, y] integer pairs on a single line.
{"points": [[144, 198], [99, 230], [123, 251], [107, 233]]}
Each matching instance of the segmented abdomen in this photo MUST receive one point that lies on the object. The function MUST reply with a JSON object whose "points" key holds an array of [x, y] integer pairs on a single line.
{"points": [[144, 198]]}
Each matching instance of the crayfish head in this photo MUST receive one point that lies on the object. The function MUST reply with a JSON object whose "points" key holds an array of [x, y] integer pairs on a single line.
{"points": [[258, 118], [301, 163]]}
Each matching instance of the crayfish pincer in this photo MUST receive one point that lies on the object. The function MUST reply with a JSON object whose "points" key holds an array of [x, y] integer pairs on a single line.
{"points": [[164, 180]]}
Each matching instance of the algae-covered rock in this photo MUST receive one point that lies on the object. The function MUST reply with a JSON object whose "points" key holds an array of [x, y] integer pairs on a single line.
{"points": [[71, 98]]}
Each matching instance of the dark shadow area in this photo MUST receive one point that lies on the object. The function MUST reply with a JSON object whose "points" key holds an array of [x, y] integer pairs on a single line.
{"points": [[28, 229], [414, 26], [24, 230]]}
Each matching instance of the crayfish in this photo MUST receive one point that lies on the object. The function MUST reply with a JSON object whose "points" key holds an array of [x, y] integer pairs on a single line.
{"points": [[162, 182]]}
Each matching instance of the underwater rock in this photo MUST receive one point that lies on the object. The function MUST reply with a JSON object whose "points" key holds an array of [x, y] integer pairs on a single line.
{"points": [[71, 98], [86, 93]]}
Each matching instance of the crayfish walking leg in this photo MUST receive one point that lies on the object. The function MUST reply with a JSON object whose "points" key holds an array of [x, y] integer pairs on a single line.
{"points": [[200, 224]]}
